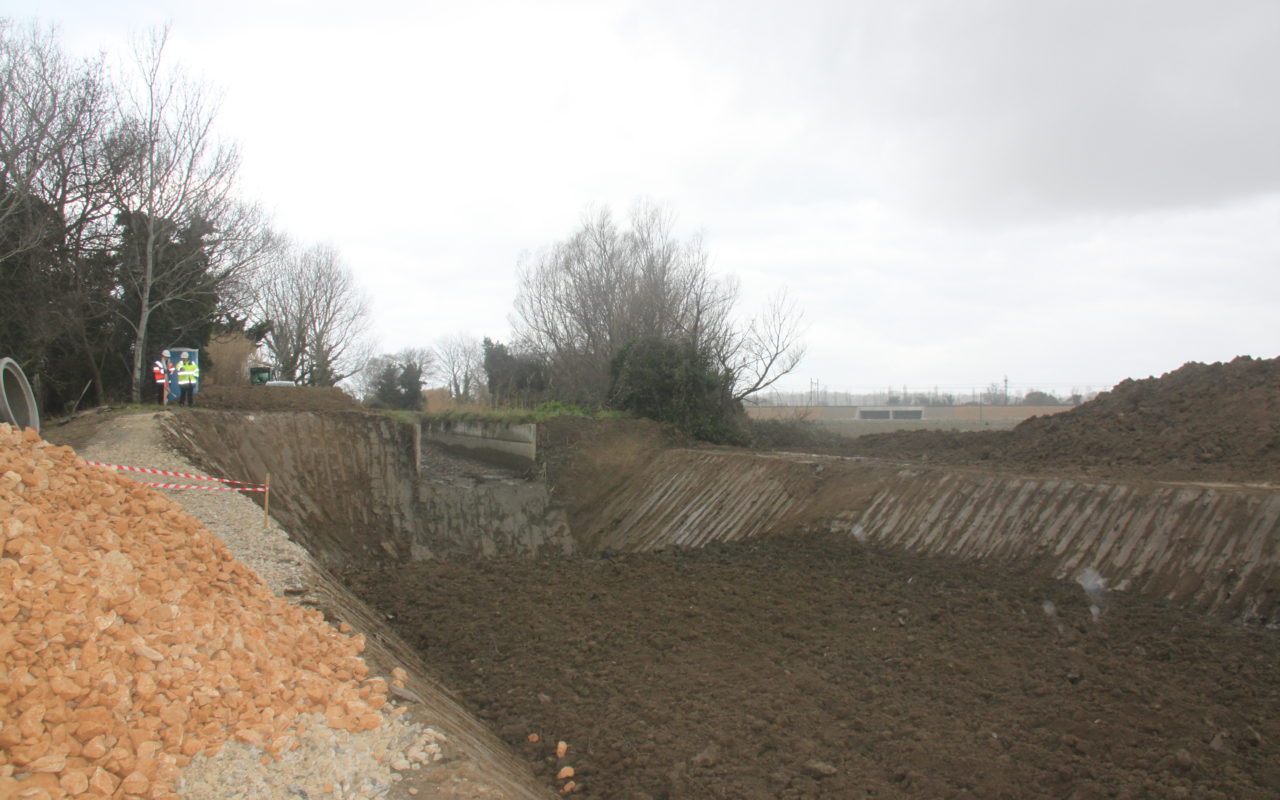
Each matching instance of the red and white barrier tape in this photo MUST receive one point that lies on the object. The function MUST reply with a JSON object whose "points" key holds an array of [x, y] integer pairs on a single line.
{"points": [[244, 487], [210, 488], [163, 472]]}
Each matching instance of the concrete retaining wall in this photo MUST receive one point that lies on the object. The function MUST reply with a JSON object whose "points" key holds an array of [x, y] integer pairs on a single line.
{"points": [[508, 445], [487, 517]]}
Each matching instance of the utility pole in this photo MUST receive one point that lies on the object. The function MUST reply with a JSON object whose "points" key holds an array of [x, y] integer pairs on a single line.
{"points": [[1006, 390]]}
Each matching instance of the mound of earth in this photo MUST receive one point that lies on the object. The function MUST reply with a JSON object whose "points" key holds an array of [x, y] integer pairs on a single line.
{"points": [[1200, 422], [275, 398]]}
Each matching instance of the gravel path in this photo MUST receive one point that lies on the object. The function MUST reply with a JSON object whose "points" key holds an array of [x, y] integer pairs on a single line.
{"points": [[327, 763]]}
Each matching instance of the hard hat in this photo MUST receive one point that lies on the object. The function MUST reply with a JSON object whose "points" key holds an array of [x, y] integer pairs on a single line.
{"points": [[186, 355], [164, 353]]}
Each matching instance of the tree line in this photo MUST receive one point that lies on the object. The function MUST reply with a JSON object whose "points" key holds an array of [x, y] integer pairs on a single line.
{"points": [[616, 316], [121, 232], [121, 235]]}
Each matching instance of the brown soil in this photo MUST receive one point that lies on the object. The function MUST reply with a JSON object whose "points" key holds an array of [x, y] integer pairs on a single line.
{"points": [[275, 398], [78, 430], [1200, 422], [813, 667]]}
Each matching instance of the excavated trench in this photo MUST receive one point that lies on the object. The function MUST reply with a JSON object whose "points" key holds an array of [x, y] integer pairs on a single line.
{"points": [[362, 489], [706, 623]]}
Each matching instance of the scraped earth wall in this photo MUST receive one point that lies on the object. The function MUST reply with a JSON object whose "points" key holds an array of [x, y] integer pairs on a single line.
{"points": [[1214, 548], [340, 481], [356, 487], [360, 488], [1211, 547]]}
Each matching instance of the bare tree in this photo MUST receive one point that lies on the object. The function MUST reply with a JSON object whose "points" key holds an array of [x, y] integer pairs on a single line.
{"points": [[582, 300], [282, 307], [52, 117], [53, 207], [769, 348], [318, 316], [185, 238], [460, 361]]}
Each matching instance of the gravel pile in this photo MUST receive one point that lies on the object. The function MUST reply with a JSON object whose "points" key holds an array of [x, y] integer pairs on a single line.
{"points": [[139, 657]]}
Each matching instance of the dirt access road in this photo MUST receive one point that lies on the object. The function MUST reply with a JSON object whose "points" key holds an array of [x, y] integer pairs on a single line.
{"points": [[809, 666]]}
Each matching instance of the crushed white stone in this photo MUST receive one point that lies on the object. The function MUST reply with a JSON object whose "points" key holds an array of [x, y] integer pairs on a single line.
{"points": [[325, 763]]}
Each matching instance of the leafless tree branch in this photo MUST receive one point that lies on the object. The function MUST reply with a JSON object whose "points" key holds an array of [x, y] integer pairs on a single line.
{"points": [[318, 316], [581, 300]]}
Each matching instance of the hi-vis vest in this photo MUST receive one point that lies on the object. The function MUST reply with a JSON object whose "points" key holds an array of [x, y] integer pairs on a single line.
{"points": [[158, 369], [188, 372]]}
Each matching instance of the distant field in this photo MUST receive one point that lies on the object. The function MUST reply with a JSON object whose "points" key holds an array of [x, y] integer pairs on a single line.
{"points": [[844, 420], [862, 427]]}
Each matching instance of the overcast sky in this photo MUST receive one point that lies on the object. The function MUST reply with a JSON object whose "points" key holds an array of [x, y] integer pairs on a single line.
{"points": [[1064, 193]]}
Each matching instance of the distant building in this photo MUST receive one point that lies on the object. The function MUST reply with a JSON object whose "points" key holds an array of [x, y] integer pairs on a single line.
{"points": [[870, 418]]}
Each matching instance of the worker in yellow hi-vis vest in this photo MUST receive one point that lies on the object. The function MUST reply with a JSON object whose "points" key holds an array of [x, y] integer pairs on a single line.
{"points": [[188, 377]]}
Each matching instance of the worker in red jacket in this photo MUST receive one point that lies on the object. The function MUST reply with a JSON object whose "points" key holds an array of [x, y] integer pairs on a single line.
{"points": [[161, 369]]}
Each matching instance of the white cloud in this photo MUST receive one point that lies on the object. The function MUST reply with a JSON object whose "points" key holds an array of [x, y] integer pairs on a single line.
{"points": [[1071, 192]]}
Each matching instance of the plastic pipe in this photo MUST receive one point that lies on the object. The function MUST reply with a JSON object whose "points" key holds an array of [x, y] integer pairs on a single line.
{"points": [[17, 403]]}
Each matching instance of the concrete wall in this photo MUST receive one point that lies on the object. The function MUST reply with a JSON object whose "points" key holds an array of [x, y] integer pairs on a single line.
{"points": [[504, 444], [486, 517], [1017, 413]]}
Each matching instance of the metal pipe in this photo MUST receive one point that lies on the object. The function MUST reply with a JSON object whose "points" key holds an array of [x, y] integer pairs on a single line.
{"points": [[17, 402]]}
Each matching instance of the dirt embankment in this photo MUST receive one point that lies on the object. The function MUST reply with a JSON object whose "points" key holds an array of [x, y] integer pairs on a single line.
{"points": [[275, 398], [1200, 422], [814, 667], [1217, 422]]}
